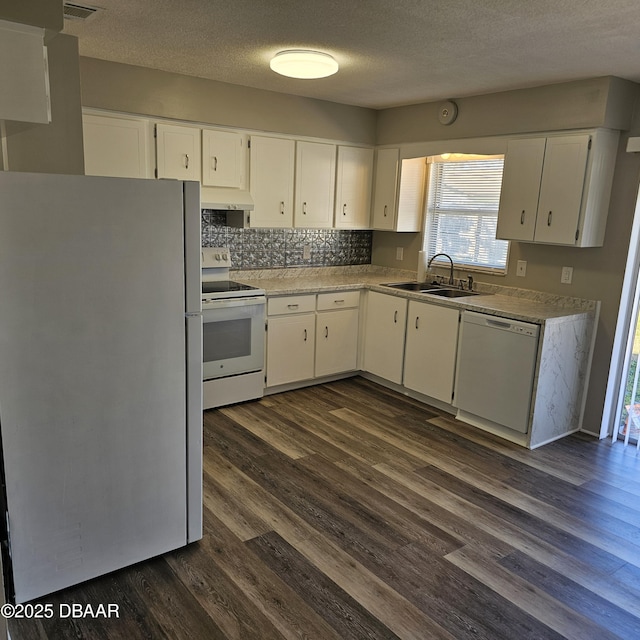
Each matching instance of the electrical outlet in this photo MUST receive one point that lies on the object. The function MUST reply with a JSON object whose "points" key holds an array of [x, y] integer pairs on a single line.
{"points": [[399, 253], [521, 269], [567, 275], [306, 252]]}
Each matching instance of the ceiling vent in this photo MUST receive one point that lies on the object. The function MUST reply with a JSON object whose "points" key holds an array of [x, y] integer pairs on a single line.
{"points": [[73, 11]]}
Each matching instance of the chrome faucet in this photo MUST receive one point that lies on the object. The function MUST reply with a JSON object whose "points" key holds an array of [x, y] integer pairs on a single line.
{"points": [[446, 255]]}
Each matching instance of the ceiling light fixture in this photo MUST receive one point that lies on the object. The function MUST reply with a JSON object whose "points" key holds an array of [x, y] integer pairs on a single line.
{"points": [[303, 63]]}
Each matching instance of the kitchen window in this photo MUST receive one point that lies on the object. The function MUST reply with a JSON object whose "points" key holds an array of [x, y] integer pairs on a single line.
{"points": [[462, 211]]}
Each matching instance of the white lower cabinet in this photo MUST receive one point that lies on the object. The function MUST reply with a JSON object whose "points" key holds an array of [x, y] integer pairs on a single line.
{"points": [[290, 348], [430, 349], [311, 336], [384, 334], [336, 341]]}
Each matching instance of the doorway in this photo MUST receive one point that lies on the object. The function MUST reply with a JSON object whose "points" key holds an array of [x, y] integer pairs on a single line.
{"points": [[621, 417]]}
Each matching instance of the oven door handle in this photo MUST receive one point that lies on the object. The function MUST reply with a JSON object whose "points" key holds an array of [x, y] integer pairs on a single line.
{"points": [[239, 302]]}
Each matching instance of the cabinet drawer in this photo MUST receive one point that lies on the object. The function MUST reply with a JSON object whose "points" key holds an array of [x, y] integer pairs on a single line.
{"points": [[291, 304], [338, 300]]}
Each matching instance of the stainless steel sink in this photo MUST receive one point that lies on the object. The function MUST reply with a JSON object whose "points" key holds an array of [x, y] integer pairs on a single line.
{"points": [[431, 288], [414, 286], [451, 293]]}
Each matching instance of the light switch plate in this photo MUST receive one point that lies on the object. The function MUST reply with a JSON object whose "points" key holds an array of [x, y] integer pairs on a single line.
{"points": [[567, 275], [521, 269], [399, 253], [306, 252]]}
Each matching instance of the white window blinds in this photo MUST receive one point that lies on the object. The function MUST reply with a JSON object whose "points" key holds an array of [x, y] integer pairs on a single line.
{"points": [[462, 212]]}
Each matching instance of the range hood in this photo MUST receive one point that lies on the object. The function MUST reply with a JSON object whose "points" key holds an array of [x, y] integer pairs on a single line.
{"points": [[225, 199]]}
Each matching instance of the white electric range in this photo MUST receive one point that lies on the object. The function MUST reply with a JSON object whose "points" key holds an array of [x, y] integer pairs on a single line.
{"points": [[233, 322]]}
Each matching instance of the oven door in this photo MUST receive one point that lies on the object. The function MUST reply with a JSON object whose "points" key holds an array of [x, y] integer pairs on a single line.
{"points": [[233, 336]]}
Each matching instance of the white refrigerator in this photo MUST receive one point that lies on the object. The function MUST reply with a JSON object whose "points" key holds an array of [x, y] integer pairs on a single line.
{"points": [[100, 375]]}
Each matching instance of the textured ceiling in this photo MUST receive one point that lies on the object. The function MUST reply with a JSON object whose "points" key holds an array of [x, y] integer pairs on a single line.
{"points": [[391, 52]]}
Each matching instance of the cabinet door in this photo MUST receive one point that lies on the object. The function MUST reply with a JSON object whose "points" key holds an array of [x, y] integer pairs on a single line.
{"points": [[520, 189], [24, 74], [336, 341], [410, 208], [223, 158], [178, 152], [290, 348], [271, 167], [117, 147], [431, 348], [315, 184], [353, 187], [563, 176], [384, 189], [384, 335]]}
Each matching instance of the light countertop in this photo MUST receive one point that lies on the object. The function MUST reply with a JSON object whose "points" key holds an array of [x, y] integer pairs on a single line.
{"points": [[518, 304]]}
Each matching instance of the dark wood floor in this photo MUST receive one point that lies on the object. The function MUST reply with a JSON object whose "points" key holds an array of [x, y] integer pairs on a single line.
{"points": [[346, 511]]}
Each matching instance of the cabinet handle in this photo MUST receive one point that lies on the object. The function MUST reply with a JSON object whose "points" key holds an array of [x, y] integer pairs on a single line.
{"points": [[344, 209], [305, 335], [417, 319], [549, 218], [215, 163], [292, 306], [186, 161], [304, 208], [326, 332], [338, 302], [522, 217], [385, 210], [282, 207], [395, 316]]}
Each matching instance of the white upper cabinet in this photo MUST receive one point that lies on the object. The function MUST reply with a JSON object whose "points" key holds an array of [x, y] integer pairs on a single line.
{"points": [[398, 192], [520, 189], [24, 74], [120, 147], [384, 189], [271, 181], [556, 190], [353, 188], [314, 184], [178, 152], [223, 158]]}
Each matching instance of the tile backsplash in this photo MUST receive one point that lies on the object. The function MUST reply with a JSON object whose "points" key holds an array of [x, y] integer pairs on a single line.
{"points": [[282, 248]]}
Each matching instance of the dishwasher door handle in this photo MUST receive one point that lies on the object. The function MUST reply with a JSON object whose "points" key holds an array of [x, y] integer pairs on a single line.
{"points": [[497, 323]]}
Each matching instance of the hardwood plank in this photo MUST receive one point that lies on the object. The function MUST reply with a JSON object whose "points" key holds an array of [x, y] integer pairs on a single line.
{"points": [[254, 497], [284, 608], [244, 523], [170, 603], [463, 603], [585, 572], [624, 623], [267, 426], [415, 528], [350, 619], [462, 529], [536, 602], [395, 611], [342, 434], [538, 459], [615, 544]]}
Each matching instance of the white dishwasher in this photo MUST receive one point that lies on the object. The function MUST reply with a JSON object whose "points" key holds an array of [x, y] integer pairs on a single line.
{"points": [[495, 370]]}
